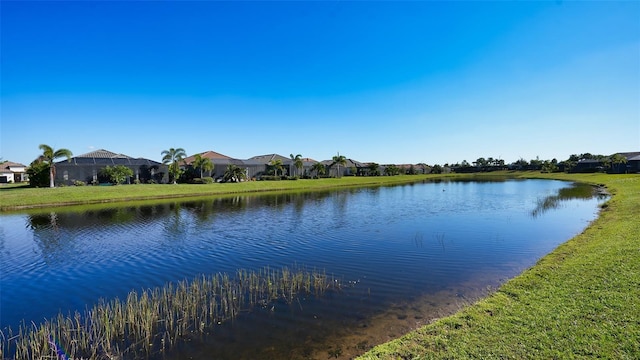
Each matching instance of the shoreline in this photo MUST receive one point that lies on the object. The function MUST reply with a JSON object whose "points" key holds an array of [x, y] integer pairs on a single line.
{"points": [[574, 302]]}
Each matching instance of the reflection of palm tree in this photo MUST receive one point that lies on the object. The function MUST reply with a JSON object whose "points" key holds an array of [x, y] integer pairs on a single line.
{"points": [[204, 164], [277, 165], [172, 157], [319, 168], [339, 160], [49, 155], [297, 162]]}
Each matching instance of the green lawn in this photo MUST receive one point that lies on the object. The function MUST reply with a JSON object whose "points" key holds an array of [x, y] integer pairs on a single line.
{"points": [[580, 301]]}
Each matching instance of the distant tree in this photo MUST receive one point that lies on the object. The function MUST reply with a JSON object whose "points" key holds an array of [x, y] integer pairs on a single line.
{"points": [[548, 167], [536, 164], [339, 160], [297, 162], [465, 163], [117, 174], [436, 169], [319, 169], [374, 169], [172, 157], [276, 165], [618, 159], [574, 158], [38, 172], [203, 164], [412, 170], [234, 173], [391, 170], [49, 155], [521, 163], [481, 162]]}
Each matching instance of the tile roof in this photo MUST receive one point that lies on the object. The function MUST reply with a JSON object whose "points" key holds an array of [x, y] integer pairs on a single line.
{"points": [[9, 164], [211, 155]]}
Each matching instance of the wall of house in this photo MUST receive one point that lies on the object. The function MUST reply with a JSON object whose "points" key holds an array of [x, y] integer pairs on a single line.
{"points": [[68, 174]]}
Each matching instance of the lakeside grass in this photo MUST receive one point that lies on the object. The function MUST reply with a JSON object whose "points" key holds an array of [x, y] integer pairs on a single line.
{"points": [[18, 198], [580, 301]]}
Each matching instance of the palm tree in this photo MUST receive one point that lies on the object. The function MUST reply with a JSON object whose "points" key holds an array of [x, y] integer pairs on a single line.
{"points": [[374, 169], [319, 168], [234, 174], [277, 165], [172, 157], [297, 162], [204, 164], [339, 160], [617, 160], [49, 155]]}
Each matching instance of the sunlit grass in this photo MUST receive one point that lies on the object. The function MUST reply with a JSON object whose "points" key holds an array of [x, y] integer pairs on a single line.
{"points": [[580, 301], [24, 197]]}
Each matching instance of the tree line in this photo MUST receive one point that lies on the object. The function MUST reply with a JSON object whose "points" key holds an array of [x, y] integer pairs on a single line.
{"points": [[42, 170]]}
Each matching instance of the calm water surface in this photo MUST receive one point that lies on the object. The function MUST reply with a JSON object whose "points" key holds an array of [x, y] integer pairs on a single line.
{"points": [[408, 254]]}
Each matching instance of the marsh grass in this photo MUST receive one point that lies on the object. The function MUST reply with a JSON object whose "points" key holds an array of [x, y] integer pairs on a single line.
{"points": [[153, 321]]}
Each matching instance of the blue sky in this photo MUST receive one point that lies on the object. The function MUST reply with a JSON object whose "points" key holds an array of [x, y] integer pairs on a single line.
{"points": [[389, 82]]}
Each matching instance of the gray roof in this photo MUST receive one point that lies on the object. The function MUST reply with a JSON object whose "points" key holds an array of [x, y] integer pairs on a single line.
{"points": [[266, 159], [105, 157], [348, 163]]}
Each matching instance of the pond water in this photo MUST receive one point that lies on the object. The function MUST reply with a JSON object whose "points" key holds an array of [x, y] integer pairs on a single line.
{"points": [[407, 254]]}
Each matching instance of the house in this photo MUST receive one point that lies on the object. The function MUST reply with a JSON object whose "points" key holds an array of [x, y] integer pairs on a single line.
{"points": [[350, 168], [601, 164], [261, 165], [588, 165], [87, 168], [220, 162], [12, 172], [632, 165]]}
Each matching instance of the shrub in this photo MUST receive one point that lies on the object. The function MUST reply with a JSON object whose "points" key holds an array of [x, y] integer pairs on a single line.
{"points": [[151, 181], [207, 180], [79, 183]]}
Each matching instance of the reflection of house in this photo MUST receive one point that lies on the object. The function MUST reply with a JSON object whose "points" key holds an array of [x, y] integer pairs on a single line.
{"points": [[219, 161], [11, 172], [87, 168]]}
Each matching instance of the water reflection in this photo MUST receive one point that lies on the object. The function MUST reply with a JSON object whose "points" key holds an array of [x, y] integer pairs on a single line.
{"points": [[577, 191], [399, 244]]}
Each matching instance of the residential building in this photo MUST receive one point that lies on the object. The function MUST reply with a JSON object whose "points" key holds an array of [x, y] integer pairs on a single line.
{"points": [[87, 168], [12, 172]]}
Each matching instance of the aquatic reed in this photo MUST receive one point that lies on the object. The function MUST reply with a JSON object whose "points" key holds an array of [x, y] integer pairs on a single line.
{"points": [[153, 320]]}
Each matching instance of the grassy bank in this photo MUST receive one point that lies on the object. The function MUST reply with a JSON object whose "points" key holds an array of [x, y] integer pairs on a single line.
{"points": [[16, 198], [580, 301]]}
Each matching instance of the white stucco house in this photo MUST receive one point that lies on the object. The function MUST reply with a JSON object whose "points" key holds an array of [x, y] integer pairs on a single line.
{"points": [[11, 172]]}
